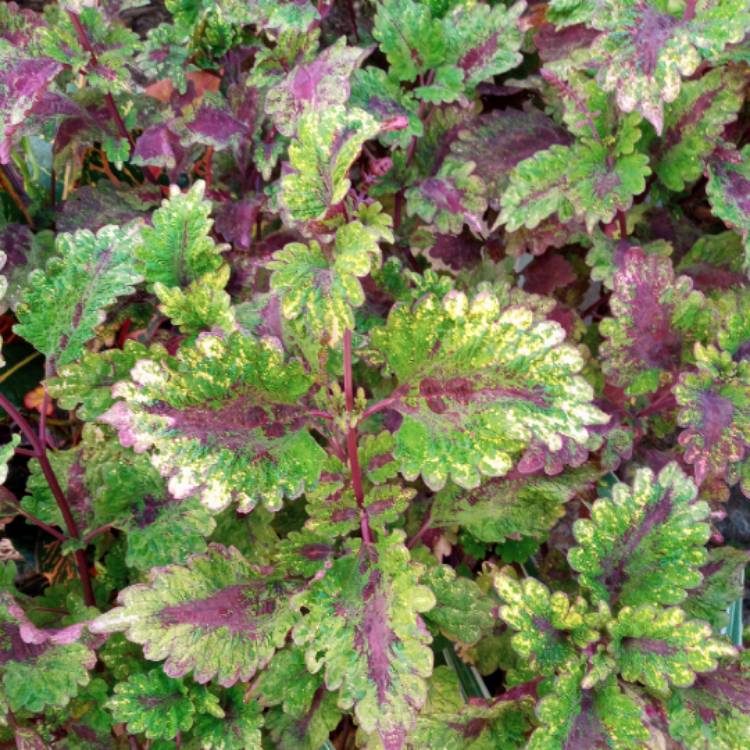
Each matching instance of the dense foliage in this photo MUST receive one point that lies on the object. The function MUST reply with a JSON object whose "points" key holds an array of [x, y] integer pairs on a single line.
{"points": [[396, 366]]}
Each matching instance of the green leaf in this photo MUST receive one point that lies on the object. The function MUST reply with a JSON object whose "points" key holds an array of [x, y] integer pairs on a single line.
{"points": [[452, 197], [177, 249], [715, 411], [39, 668], [584, 181], [6, 453], [219, 617], [654, 316], [501, 508], [695, 122], [410, 38], [551, 627], [659, 647], [64, 303], [722, 584], [462, 611], [576, 719], [86, 384], [712, 713], [362, 626], [304, 713], [321, 284], [203, 305], [326, 146], [483, 41], [152, 704], [313, 85], [476, 383], [226, 419], [643, 544], [728, 183], [645, 52], [446, 722], [236, 728]]}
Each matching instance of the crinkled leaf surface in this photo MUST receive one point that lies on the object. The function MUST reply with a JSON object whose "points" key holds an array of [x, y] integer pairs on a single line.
{"points": [[66, 301], [476, 383], [653, 314], [645, 543], [314, 85], [645, 52], [728, 189], [362, 626], [40, 668], [177, 249], [502, 507], [216, 618], [659, 647], [226, 419], [327, 144]]}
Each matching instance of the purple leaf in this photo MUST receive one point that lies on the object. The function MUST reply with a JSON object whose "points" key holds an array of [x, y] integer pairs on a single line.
{"points": [[23, 83], [498, 141]]}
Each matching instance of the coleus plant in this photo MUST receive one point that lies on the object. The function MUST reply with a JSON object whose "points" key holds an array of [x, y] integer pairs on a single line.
{"points": [[396, 369]]}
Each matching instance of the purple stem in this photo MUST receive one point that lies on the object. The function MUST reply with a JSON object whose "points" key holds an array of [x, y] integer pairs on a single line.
{"points": [[352, 440], [57, 491], [689, 13], [83, 38]]}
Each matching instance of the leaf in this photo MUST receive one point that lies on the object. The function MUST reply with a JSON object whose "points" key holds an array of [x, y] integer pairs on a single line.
{"points": [[63, 304], [501, 508], [40, 668], [446, 722], [238, 727], [654, 315], [476, 383], [152, 704], [496, 142], [581, 181], [645, 52], [177, 249], [23, 83], [203, 305], [659, 647], [712, 713], [483, 41], [321, 284], [450, 198], [722, 584], [645, 543], [6, 453], [410, 38], [314, 85], [462, 611], [695, 122], [307, 713], [715, 412], [594, 719], [326, 146], [362, 626], [551, 627], [86, 384], [218, 617], [375, 91], [226, 419], [727, 189]]}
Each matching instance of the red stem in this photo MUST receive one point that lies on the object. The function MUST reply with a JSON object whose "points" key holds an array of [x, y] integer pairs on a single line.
{"points": [[352, 440], [353, 19], [622, 221], [689, 13], [83, 38], [57, 491]]}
